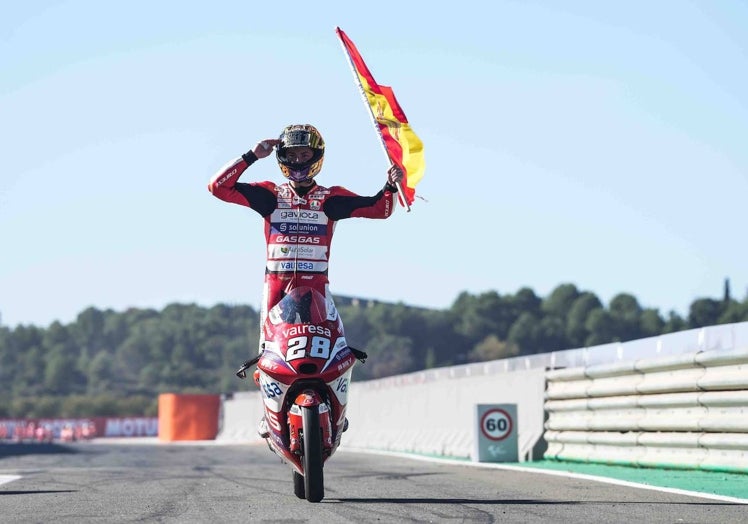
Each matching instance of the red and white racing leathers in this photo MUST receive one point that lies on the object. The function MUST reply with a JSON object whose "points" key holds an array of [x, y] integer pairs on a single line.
{"points": [[298, 228]]}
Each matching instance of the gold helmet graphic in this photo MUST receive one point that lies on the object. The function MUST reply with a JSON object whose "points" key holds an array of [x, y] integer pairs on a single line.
{"points": [[300, 135]]}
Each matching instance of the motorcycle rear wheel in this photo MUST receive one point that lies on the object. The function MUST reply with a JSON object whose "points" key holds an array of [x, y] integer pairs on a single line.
{"points": [[314, 482]]}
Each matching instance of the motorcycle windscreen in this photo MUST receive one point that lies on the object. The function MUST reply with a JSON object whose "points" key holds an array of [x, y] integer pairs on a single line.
{"points": [[303, 305]]}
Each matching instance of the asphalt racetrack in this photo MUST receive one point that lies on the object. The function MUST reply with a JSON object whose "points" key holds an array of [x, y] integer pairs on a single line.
{"points": [[203, 482]]}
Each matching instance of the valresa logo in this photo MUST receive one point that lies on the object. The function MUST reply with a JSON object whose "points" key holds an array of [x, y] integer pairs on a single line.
{"points": [[311, 215], [300, 266]]}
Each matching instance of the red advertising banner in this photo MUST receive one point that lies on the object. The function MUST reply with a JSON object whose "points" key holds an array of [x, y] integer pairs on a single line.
{"points": [[73, 429]]}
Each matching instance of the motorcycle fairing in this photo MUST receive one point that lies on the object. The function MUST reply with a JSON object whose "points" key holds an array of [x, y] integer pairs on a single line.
{"points": [[306, 361]]}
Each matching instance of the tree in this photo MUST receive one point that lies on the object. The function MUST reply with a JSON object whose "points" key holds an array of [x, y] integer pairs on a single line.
{"points": [[447, 346], [88, 329], [525, 300], [673, 323], [601, 326], [7, 357], [559, 302], [480, 316], [576, 323], [358, 327], [100, 374], [491, 348], [651, 323], [704, 312], [734, 312], [550, 335], [626, 312], [61, 372], [61, 375], [523, 333], [388, 355]]}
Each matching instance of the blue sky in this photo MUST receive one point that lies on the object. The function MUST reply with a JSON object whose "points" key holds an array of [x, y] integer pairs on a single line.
{"points": [[596, 143]]}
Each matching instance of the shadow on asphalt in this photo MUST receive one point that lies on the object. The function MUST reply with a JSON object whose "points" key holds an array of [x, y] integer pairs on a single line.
{"points": [[41, 492], [18, 448]]}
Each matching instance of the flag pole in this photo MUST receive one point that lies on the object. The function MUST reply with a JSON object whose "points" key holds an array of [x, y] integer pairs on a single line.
{"points": [[400, 195]]}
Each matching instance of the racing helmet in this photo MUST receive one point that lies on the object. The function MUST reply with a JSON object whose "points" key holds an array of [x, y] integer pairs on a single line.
{"points": [[300, 135]]}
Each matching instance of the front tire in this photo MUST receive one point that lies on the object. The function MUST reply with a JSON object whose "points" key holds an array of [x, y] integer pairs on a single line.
{"points": [[314, 482]]}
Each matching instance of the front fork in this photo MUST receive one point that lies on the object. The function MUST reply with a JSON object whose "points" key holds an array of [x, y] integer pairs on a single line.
{"points": [[308, 398]]}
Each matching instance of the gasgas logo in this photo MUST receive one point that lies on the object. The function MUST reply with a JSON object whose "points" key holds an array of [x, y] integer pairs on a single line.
{"points": [[296, 239]]}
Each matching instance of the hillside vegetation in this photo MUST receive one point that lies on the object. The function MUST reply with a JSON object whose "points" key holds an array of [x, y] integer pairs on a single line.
{"points": [[116, 363]]}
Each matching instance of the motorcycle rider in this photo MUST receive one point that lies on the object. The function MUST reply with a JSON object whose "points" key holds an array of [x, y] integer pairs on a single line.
{"points": [[300, 215]]}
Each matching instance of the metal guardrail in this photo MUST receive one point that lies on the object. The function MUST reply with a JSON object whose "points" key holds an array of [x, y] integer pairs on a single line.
{"points": [[681, 410]]}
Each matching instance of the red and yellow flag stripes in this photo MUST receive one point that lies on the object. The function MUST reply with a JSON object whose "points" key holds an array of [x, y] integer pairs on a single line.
{"points": [[402, 145]]}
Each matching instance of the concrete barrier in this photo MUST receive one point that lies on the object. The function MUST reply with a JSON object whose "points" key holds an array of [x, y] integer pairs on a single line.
{"points": [[433, 413], [426, 412], [240, 414]]}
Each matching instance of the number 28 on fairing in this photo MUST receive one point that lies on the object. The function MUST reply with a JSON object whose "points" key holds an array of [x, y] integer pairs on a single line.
{"points": [[317, 347]]}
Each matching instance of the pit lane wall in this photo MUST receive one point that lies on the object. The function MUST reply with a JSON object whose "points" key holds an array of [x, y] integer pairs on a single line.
{"points": [[428, 412], [431, 412]]}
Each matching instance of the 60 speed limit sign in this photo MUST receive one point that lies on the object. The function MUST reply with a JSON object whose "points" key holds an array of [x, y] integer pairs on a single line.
{"points": [[496, 424], [495, 433]]}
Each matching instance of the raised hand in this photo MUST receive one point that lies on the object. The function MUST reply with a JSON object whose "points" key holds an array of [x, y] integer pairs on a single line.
{"points": [[265, 147], [394, 175]]}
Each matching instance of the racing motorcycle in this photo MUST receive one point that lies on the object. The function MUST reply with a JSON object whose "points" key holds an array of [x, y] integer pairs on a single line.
{"points": [[304, 372]]}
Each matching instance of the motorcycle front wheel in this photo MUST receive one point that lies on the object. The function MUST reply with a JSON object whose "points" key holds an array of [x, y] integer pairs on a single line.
{"points": [[314, 482]]}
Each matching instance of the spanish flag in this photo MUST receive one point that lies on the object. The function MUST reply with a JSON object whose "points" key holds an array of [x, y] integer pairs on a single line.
{"points": [[401, 144]]}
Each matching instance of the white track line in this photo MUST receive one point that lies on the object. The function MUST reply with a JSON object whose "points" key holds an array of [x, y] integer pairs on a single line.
{"points": [[4, 479], [553, 472]]}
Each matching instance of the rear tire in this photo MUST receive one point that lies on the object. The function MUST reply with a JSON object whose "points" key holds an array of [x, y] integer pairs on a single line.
{"points": [[298, 485], [314, 482]]}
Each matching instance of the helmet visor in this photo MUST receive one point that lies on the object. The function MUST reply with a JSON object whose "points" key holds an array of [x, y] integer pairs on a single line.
{"points": [[301, 138]]}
